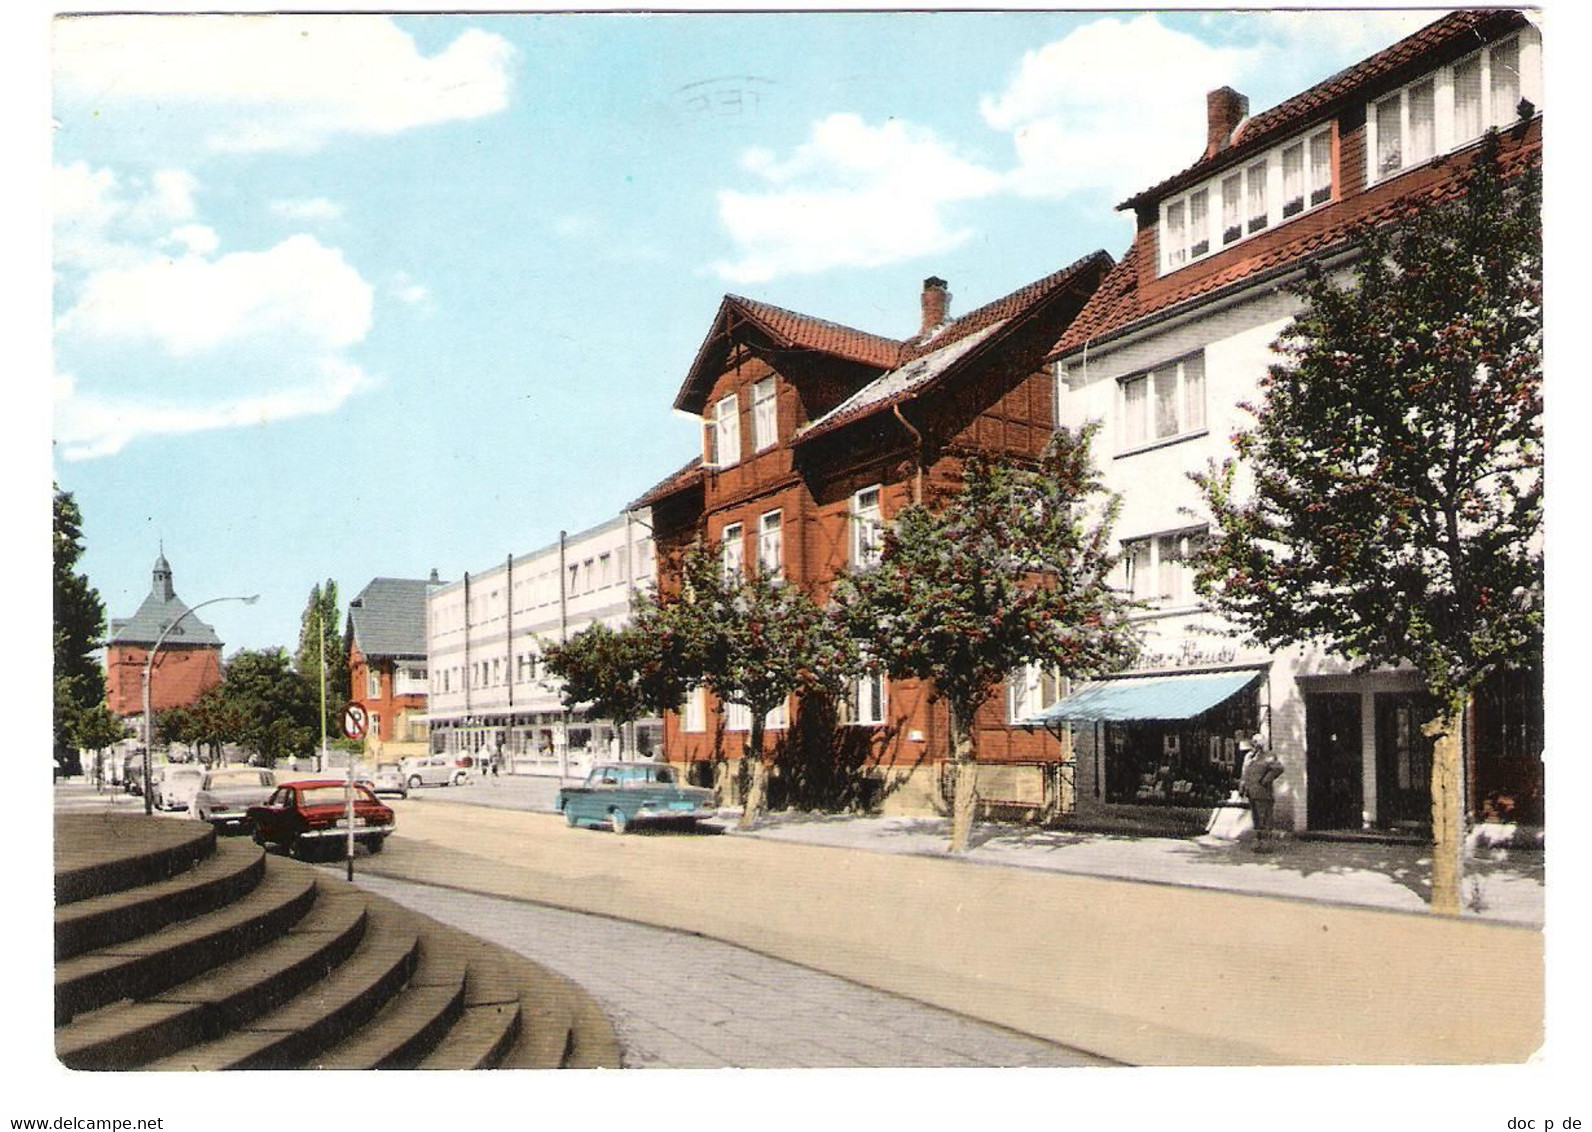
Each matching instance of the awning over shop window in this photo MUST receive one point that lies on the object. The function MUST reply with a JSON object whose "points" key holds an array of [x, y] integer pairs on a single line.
{"points": [[1133, 698]]}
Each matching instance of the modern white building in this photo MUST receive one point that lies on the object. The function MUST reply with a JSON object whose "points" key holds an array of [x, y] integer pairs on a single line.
{"points": [[1177, 337], [485, 635]]}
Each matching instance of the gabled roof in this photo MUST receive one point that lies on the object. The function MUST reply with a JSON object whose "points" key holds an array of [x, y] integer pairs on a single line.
{"points": [[1454, 34], [388, 617], [930, 361], [688, 476], [784, 330], [1119, 304]]}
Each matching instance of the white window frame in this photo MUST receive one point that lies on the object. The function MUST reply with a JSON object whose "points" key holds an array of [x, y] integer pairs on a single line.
{"points": [[867, 699], [1169, 583], [1138, 405], [693, 712], [867, 527], [765, 414], [732, 553], [771, 544], [738, 718], [724, 433], [1448, 134], [372, 683], [1030, 690], [1183, 239]]}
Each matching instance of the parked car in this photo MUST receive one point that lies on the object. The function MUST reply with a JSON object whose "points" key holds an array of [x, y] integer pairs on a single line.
{"points": [[301, 815], [175, 786], [623, 794], [227, 793], [389, 779], [433, 770]]}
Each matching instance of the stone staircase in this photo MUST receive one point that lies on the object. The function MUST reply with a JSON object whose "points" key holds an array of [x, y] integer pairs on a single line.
{"points": [[176, 950]]}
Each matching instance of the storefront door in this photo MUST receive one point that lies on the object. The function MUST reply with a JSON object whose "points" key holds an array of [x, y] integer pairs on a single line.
{"points": [[1403, 760], [1332, 760]]}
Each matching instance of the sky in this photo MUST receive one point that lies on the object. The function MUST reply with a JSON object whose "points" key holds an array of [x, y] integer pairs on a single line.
{"points": [[356, 296]]}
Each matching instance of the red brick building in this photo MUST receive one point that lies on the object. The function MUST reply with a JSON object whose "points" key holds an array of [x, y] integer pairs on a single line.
{"points": [[189, 661], [386, 642], [814, 435]]}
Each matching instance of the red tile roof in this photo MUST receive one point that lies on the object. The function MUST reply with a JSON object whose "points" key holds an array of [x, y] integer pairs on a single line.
{"points": [[687, 476], [1119, 304], [1455, 33], [928, 361]]}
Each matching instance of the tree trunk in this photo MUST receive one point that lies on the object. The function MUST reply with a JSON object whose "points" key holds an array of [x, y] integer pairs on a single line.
{"points": [[964, 779], [759, 787], [1448, 812]]}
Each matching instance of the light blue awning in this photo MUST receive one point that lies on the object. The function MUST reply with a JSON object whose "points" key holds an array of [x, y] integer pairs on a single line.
{"points": [[1146, 698]]}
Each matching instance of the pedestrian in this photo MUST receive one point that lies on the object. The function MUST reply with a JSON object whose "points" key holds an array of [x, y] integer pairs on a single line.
{"points": [[1261, 769]]}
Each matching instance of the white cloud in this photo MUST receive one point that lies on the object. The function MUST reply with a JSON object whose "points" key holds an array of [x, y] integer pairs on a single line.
{"points": [[853, 195], [1117, 105], [197, 239], [90, 426], [285, 82], [409, 290], [101, 221], [298, 288], [307, 208]]}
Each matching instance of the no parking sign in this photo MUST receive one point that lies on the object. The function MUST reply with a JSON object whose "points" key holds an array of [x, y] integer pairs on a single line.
{"points": [[355, 720]]}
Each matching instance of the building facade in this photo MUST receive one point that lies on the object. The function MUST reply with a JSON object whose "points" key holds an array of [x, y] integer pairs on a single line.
{"points": [[1177, 337], [385, 638], [814, 436], [488, 695], [187, 665]]}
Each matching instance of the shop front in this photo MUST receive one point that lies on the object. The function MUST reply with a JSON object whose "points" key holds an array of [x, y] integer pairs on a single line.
{"points": [[1161, 749]]}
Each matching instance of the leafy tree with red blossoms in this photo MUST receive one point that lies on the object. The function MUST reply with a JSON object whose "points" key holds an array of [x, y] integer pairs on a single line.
{"points": [[1387, 501], [1013, 569]]}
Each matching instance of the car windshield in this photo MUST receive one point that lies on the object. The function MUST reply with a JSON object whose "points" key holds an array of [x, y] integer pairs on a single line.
{"points": [[387, 768], [328, 795], [235, 779], [187, 772]]}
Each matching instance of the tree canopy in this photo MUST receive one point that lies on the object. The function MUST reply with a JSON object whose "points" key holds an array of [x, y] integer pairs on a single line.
{"points": [[79, 625], [1010, 570], [318, 627], [276, 712]]}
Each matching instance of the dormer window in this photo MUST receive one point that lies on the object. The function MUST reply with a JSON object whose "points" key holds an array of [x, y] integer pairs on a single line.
{"points": [[1452, 106], [723, 434], [1285, 181]]}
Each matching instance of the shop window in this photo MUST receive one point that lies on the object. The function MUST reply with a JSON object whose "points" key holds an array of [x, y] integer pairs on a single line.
{"points": [[1186, 763]]}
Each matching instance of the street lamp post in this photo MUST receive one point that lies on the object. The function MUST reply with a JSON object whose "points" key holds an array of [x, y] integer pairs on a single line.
{"points": [[149, 670]]}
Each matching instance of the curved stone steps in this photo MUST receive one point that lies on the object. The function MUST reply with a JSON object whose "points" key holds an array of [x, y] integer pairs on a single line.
{"points": [[128, 1034], [115, 917], [322, 1014], [143, 967], [97, 854]]}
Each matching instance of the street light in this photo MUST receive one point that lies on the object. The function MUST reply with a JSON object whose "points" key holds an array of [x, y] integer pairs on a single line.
{"points": [[149, 669]]}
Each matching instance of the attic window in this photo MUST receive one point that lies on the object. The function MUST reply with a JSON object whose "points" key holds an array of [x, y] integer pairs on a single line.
{"points": [[723, 434], [1283, 182], [1452, 106]]}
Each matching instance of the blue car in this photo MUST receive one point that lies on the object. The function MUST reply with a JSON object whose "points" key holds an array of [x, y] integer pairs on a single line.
{"points": [[622, 794]]}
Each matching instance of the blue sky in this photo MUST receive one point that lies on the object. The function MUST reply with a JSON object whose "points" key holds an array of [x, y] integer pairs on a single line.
{"points": [[356, 296]]}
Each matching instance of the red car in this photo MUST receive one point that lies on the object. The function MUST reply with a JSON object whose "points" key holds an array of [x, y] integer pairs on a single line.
{"points": [[312, 812]]}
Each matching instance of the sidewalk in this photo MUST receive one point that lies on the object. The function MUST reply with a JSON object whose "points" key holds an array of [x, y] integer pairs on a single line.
{"points": [[1502, 885]]}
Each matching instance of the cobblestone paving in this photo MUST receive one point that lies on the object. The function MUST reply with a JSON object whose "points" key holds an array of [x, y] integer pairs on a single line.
{"points": [[683, 1002]]}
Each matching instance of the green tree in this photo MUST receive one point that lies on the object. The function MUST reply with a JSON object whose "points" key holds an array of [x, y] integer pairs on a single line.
{"points": [[754, 640], [318, 627], [1011, 570], [216, 721], [79, 625], [95, 729], [622, 674], [279, 716], [1394, 504]]}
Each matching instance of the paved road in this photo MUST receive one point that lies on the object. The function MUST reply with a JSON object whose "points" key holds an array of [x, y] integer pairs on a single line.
{"points": [[683, 1002]]}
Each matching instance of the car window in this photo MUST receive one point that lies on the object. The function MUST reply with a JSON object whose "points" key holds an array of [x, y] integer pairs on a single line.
{"points": [[226, 778], [664, 774], [330, 795]]}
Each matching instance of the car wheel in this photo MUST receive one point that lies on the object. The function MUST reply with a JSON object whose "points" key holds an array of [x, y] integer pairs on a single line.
{"points": [[621, 822], [375, 844], [259, 838], [414, 782], [460, 779]]}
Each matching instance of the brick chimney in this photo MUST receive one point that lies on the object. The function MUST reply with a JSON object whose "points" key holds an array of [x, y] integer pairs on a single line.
{"points": [[1224, 109], [936, 305]]}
